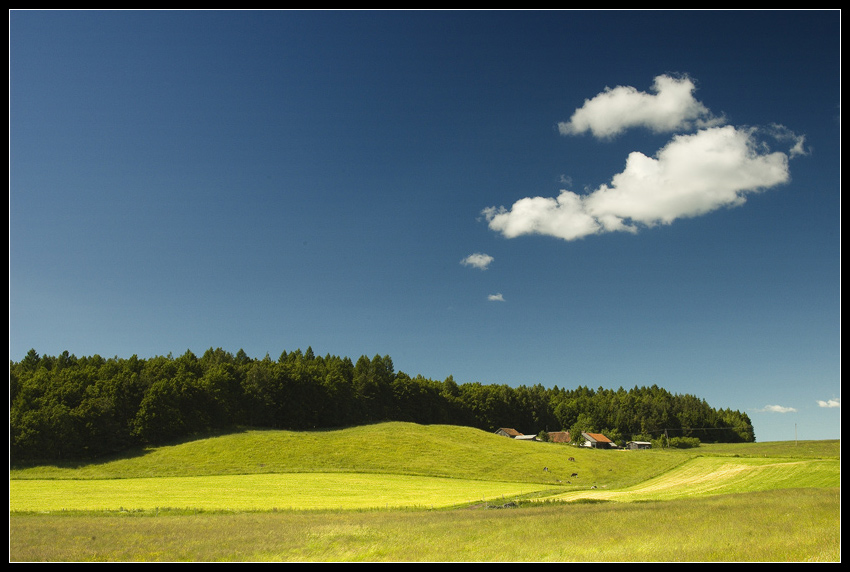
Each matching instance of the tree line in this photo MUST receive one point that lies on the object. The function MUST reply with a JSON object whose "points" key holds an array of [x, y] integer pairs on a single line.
{"points": [[65, 407]]}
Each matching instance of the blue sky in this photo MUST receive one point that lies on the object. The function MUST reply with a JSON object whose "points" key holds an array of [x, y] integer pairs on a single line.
{"points": [[652, 197]]}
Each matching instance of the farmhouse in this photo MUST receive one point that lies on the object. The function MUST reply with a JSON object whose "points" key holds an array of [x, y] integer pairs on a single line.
{"points": [[597, 441], [508, 432], [514, 434], [559, 436], [639, 445]]}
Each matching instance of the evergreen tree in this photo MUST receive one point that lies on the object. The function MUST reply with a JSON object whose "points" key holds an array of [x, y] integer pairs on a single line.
{"points": [[66, 407]]}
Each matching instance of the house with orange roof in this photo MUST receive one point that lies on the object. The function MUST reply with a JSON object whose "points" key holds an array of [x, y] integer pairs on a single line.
{"points": [[597, 441]]}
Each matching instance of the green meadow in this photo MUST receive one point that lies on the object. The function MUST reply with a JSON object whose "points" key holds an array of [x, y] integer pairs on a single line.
{"points": [[261, 492], [407, 492]]}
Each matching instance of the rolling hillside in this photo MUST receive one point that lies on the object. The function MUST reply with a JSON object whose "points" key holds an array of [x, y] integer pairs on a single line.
{"points": [[405, 449], [409, 480], [387, 448]]}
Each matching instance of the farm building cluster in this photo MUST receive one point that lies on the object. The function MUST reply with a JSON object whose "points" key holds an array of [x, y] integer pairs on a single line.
{"points": [[592, 440]]}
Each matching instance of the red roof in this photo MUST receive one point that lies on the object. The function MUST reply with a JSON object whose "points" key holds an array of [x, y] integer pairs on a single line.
{"points": [[599, 437], [510, 431], [559, 436]]}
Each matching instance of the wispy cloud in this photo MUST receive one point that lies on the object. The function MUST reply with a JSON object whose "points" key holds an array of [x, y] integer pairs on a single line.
{"points": [[496, 298], [797, 142], [478, 260], [777, 409], [693, 174], [830, 403]]}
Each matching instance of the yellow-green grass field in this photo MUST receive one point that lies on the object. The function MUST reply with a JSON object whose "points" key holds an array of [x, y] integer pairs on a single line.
{"points": [[262, 492], [795, 525], [406, 492], [704, 476]]}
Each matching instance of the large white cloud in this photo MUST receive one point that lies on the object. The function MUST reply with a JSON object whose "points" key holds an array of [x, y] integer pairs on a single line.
{"points": [[671, 108], [693, 174]]}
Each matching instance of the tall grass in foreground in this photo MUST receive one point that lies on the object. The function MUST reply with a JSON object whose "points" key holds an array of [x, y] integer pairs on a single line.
{"points": [[782, 526]]}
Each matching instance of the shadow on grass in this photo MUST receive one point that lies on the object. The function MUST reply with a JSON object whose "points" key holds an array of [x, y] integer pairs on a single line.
{"points": [[130, 453]]}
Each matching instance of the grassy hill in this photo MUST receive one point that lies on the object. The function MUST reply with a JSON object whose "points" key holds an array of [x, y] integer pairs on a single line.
{"points": [[386, 448], [406, 449]]}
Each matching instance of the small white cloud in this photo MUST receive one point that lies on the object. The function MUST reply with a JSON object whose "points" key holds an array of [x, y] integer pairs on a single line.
{"points": [[778, 409], [831, 403], [672, 107], [478, 260], [496, 298]]}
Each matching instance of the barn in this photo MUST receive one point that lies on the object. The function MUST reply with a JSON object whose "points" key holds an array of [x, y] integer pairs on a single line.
{"points": [[597, 441], [514, 434], [508, 432]]}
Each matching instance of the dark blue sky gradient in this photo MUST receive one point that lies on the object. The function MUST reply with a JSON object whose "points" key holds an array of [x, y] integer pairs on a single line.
{"points": [[277, 180]]}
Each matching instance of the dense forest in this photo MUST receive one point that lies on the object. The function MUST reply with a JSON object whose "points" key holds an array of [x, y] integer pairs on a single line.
{"points": [[66, 407]]}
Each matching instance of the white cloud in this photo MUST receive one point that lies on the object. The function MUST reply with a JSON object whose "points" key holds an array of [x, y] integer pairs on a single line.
{"points": [[690, 176], [778, 409], [671, 108], [695, 173], [830, 403], [496, 298], [564, 217], [782, 133], [478, 260]]}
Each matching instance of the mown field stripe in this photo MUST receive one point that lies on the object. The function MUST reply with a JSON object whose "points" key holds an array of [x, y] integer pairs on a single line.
{"points": [[714, 475], [260, 492]]}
